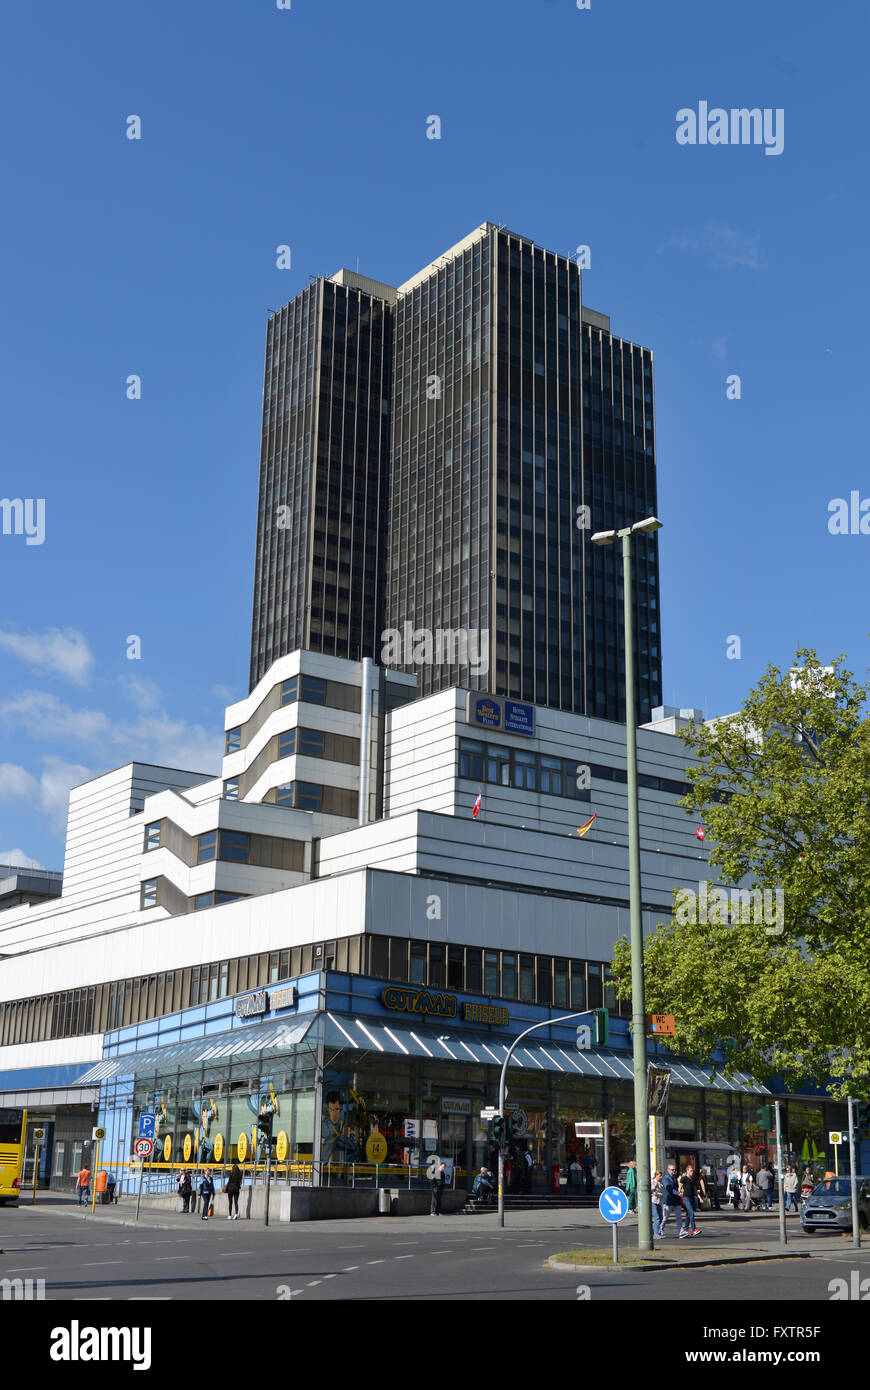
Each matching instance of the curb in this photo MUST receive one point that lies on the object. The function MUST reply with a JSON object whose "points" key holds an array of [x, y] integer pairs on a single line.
{"points": [[659, 1266]]}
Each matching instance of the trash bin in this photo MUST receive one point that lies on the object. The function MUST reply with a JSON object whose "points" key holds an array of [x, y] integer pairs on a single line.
{"points": [[384, 1201], [109, 1194], [102, 1178]]}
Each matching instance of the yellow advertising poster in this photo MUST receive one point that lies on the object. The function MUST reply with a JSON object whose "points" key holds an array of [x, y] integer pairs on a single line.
{"points": [[242, 1146], [281, 1146], [218, 1148], [376, 1147], [167, 1147], [188, 1147]]}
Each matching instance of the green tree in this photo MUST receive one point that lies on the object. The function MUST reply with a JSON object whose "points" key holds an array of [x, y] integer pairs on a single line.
{"points": [[783, 791]]}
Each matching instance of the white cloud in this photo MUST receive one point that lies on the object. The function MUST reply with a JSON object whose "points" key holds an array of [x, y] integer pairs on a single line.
{"points": [[143, 692], [66, 653], [722, 246], [19, 859], [154, 738], [17, 784], [225, 693]]}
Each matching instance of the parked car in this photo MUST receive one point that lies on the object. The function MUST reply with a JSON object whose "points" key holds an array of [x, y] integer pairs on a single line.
{"points": [[829, 1206]]}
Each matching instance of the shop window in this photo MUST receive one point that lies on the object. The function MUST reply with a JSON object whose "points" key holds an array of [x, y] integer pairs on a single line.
{"points": [[418, 962], [527, 979], [455, 967], [490, 972], [473, 970]]}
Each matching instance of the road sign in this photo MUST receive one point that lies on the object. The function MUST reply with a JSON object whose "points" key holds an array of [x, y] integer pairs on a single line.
{"points": [[663, 1024], [835, 1137], [144, 1148], [98, 1134], [488, 1113], [613, 1204], [39, 1134], [584, 1037], [147, 1125]]}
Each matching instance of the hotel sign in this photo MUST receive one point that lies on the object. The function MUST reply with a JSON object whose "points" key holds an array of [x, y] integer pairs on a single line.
{"points": [[426, 1001], [495, 712], [252, 1005]]}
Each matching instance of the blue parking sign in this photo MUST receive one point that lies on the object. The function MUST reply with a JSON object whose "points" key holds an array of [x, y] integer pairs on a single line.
{"points": [[147, 1125]]}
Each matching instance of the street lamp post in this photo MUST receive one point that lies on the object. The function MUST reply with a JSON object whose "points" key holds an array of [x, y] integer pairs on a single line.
{"points": [[638, 1001]]}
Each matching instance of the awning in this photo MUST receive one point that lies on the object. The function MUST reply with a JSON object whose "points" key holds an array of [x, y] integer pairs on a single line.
{"points": [[401, 1039], [217, 1047], [455, 1045]]}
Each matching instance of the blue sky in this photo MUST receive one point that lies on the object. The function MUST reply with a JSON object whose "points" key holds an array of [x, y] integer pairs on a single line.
{"points": [[262, 127]]}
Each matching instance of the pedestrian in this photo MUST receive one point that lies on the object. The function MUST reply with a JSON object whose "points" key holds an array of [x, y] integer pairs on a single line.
{"points": [[185, 1189], [703, 1189], [590, 1163], [747, 1182], [670, 1195], [436, 1183], [575, 1173], [790, 1187], [631, 1185], [206, 1192], [232, 1189], [765, 1182], [482, 1187], [688, 1192], [734, 1188], [657, 1191], [83, 1184]]}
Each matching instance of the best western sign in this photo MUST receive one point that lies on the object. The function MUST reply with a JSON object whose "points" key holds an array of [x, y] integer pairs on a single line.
{"points": [[425, 1001]]}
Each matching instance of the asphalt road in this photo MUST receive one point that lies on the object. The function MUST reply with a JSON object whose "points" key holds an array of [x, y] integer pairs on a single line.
{"points": [[83, 1257]]}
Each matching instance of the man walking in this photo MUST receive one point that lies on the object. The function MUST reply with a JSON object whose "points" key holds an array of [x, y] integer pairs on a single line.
{"points": [[765, 1182], [670, 1195], [689, 1196], [747, 1182], [83, 1185], [437, 1185]]}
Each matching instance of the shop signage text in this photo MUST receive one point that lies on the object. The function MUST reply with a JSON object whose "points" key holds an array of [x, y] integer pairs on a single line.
{"points": [[420, 1001], [250, 1005], [485, 1013]]}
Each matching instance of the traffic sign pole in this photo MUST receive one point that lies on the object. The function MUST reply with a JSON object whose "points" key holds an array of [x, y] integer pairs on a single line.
{"points": [[94, 1180], [783, 1238], [856, 1229], [613, 1205]]}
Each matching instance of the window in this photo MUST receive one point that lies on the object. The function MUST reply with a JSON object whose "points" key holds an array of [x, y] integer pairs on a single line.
{"points": [[235, 846], [310, 689], [148, 895], [509, 975], [288, 690], [206, 847], [527, 979], [418, 962], [308, 796], [202, 900], [578, 985], [231, 789], [152, 836], [284, 794], [455, 970], [490, 972], [311, 743], [233, 740], [287, 743], [59, 1148]]}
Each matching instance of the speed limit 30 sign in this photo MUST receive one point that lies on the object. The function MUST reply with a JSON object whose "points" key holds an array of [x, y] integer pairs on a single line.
{"points": [[144, 1148]]}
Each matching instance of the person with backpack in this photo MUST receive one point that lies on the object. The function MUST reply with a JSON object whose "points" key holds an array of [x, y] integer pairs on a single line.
{"points": [[206, 1192], [233, 1188], [184, 1188]]}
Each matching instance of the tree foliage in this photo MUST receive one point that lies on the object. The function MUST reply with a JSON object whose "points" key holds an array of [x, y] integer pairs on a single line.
{"points": [[783, 791]]}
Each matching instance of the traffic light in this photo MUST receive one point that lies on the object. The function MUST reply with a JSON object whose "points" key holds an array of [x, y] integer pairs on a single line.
{"points": [[496, 1129], [763, 1116], [508, 1129], [264, 1123], [601, 1027], [862, 1118]]}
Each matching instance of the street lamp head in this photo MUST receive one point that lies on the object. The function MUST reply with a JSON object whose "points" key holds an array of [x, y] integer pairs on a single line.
{"points": [[651, 523], [604, 537]]}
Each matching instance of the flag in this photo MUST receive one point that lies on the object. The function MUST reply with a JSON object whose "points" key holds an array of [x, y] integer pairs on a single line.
{"points": [[699, 833], [476, 809], [581, 829]]}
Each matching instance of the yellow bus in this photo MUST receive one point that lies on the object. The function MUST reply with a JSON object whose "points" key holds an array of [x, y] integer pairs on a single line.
{"points": [[13, 1124]]}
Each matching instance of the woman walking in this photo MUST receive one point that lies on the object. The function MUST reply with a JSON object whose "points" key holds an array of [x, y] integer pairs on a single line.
{"points": [[631, 1185], [206, 1192], [233, 1188], [657, 1192]]}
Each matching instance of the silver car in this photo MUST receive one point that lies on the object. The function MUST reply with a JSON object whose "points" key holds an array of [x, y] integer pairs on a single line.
{"points": [[829, 1205]]}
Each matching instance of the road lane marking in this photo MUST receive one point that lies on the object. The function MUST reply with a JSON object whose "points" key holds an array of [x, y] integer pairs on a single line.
{"points": [[375, 1262], [404, 1257], [482, 1247], [312, 1282], [88, 1264], [347, 1269], [20, 1269], [440, 1252], [161, 1259]]}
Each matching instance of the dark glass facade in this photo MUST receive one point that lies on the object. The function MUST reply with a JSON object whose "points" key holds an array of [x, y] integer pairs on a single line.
{"points": [[323, 476], [442, 448]]}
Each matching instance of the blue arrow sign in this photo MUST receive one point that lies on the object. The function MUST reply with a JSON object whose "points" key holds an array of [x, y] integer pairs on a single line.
{"points": [[613, 1204], [147, 1125]]}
